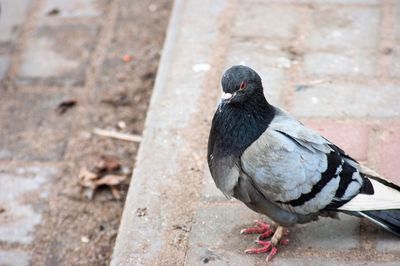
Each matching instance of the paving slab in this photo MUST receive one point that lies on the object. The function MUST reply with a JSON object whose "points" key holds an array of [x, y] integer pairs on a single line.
{"points": [[11, 19], [58, 55], [215, 237], [266, 21], [338, 100], [340, 64], [329, 234], [351, 136], [14, 258], [35, 112], [20, 213], [350, 28]]}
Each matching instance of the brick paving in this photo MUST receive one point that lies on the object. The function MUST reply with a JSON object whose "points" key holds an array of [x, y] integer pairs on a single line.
{"points": [[322, 61], [331, 63]]}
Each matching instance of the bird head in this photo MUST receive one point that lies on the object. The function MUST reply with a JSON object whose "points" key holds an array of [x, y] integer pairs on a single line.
{"points": [[239, 84]]}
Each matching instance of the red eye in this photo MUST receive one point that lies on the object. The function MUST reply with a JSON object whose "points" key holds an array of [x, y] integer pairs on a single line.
{"points": [[243, 85]]}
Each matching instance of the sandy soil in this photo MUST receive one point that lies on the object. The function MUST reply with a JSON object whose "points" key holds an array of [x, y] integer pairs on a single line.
{"points": [[76, 230]]}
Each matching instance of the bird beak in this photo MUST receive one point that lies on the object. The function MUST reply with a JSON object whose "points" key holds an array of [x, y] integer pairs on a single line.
{"points": [[226, 96]]}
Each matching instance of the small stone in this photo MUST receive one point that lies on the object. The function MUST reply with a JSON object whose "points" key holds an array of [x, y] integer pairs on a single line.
{"points": [[126, 170], [85, 239], [127, 58], [121, 124], [201, 67], [284, 62]]}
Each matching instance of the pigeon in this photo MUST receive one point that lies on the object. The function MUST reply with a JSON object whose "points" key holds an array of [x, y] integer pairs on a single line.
{"points": [[264, 157]]}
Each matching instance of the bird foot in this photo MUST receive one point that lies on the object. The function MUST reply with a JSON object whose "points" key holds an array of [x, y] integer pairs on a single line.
{"points": [[265, 230], [267, 246]]}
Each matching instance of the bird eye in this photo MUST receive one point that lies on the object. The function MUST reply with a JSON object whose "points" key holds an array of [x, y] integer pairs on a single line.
{"points": [[243, 85]]}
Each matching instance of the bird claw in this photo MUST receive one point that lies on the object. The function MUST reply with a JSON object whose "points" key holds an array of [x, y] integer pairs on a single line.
{"points": [[266, 234], [272, 254], [266, 231], [260, 228], [267, 247]]}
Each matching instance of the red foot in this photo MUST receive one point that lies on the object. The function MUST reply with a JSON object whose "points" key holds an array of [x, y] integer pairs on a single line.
{"points": [[265, 231], [271, 255], [267, 246], [261, 228]]}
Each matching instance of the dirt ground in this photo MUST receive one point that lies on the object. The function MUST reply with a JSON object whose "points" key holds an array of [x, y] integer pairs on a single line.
{"points": [[76, 230]]}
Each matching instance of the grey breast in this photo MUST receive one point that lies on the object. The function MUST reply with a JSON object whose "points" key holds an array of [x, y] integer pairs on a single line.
{"points": [[284, 169]]}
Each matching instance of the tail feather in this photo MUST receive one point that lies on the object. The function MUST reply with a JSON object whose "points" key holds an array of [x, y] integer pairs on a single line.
{"points": [[383, 195], [378, 201], [388, 219]]}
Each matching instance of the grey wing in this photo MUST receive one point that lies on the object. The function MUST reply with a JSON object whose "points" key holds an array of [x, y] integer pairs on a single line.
{"points": [[298, 169]]}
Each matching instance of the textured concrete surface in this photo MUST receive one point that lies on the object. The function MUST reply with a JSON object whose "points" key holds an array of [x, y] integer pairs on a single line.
{"points": [[31, 121], [23, 195], [167, 151], [348, 100], [47, 61], [14, 258], [331, 63], [13, 14], [20, 213]]}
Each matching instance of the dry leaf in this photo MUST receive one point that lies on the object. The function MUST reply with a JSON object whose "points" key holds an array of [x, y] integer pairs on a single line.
{"points": [[53, 12], [86, 178], [107, 164], [110, 180], [115, 192], [65, 105], [91, 181]]}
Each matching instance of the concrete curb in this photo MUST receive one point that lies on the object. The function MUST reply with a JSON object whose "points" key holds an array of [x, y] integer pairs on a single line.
{"points": [[120, 253], [165, 185]]}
